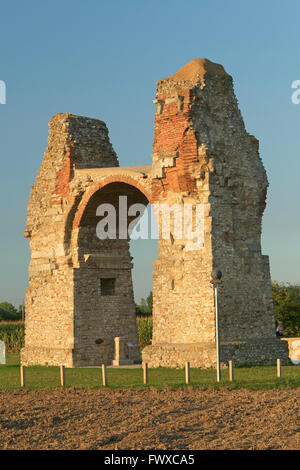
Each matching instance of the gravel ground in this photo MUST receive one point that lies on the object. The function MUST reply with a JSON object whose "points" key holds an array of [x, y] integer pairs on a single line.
{"points": [[150, 419]]}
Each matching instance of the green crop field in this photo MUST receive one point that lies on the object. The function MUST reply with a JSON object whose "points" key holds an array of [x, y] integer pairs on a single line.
{"points": [[254, 378]]}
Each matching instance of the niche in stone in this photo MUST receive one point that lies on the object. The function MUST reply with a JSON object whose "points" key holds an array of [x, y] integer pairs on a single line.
{"points": [[107, 286]]}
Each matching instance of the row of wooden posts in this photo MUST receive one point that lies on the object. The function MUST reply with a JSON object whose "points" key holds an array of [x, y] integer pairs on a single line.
{"points": [[145, 373]]}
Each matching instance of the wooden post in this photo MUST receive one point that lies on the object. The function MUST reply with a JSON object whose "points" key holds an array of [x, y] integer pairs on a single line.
{"points": [[145, 372], [23, 376], [231, 371], [278, 368], [62, 376], [187, 373], [104, 375]]}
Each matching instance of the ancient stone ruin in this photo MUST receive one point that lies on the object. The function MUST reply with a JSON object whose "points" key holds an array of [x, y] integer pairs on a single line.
{"points": [[81, 296]]}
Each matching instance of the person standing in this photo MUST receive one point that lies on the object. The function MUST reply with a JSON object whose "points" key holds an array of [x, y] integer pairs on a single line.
{"points": [[279, 329]]}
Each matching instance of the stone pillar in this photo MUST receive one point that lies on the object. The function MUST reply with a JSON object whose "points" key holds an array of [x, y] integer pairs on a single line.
{"points": [[121, 352], [69, 318], [202, 155]]}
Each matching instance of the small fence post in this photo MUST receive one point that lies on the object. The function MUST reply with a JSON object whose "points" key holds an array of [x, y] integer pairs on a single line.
{"points": [[145, 372], [187, 373], [231, 371], [23, 376], [62, 376], [278, 368], [104, 375]]}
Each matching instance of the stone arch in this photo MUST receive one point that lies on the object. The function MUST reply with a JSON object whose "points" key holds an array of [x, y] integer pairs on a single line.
{"points": [[104, 305], [81, 201], [108, 180]]}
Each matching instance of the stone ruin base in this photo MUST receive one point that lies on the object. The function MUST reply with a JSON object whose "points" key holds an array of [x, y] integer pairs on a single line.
{"points": [[263, 351], [47, 356], [116, 353], [251, 352]]}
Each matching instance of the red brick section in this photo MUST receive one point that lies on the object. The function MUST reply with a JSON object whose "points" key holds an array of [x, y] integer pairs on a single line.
{"points": [[173, 132], [65, 175]]}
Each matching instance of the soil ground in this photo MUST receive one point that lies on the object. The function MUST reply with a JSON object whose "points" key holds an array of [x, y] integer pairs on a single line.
{"points": [[185, 418]]}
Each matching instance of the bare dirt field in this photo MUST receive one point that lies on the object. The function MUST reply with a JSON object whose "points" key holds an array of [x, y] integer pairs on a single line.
{"points": [[150, 419]]}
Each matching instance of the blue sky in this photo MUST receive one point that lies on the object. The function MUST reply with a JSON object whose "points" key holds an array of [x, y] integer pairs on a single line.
{"points": [[103, 58]]}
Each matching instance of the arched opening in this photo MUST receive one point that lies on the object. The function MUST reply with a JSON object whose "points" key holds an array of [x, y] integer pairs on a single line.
{"points": [[144, 251], [104, 304]]}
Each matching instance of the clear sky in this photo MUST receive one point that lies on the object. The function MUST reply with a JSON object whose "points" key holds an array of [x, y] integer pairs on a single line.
{"points": [[102, 59]]}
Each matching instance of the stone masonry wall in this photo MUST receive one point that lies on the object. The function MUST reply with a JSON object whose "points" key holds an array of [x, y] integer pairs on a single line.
{"points": [[81, 297], [202, 154], [67, 319]]}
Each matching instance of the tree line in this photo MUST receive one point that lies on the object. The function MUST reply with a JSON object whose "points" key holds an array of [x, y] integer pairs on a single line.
{"points": [[8, 312], [286, 301]]}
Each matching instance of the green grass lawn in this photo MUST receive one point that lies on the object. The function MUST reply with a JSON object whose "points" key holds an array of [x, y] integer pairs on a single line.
{"points": [[37, 377]]}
